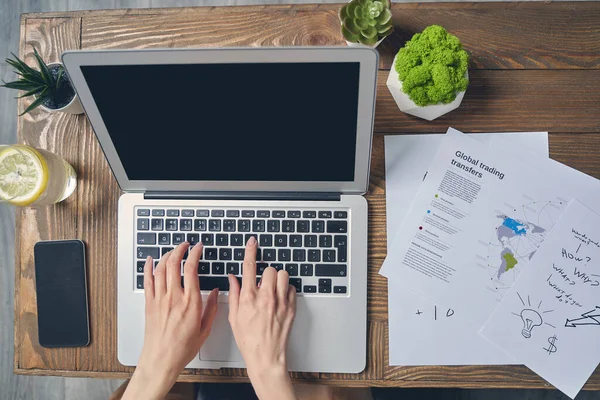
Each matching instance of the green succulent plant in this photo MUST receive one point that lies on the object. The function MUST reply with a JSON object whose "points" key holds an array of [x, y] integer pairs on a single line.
{"points": [[366, 21], [49, 85]]}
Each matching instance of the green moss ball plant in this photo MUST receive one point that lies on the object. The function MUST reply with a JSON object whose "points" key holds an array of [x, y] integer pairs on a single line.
{"points": [[431, 71]]}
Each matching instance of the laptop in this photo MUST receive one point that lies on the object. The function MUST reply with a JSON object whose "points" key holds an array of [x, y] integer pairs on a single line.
{"points": [[216, 145]]}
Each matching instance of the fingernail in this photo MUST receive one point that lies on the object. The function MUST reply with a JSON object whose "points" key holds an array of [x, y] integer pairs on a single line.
{"points": [[229, 279], [252, 241]]}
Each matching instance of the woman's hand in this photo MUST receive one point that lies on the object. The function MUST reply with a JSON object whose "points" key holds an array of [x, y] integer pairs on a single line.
{"points": [[176, 324], [261, 319]]}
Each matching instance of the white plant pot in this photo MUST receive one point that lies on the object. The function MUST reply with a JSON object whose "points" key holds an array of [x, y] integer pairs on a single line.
{"points": [[406, 105], [353, 44], [74, 106]]}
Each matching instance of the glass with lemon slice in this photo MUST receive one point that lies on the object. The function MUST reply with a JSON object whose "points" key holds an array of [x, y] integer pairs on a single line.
{"points": [[34, 177]]}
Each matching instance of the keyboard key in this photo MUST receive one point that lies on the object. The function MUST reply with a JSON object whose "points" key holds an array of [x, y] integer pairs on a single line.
{"points": [[310, 289], [260, 268], [200, 214], [265, 240], [200, 225], [157, 224], [187, 213], [314, 255], [193, 238], [146, 238], [337, 226], [277, 266], [172, 224], [273, 225], [140, 267], [243, 225], [324, 289], [340, 214], [225, 254], [217, 213], [310, 240], [292, 269], [144, 252], [158, 213], [324, 214], [218, 268], [328, 255], [318, 226], [233, 268], [238, 254], [303, 226], [293, 214], [269, 255], [306, 269], [324, 282], [339, 289], [247, 213], [258, 225], [210, 253], [203, 268], [330, 269], [237, 240], [165, 250], [325, 241], [297, 283], [143, 224], [178, 238], [143, 212], [222, 239], [213, 282], [341, 242], [248, 236], [172, 213], [185, 225], [214, 225], [263, 214], [309, 214], [229, 225], [299, 255], [164, 238], [284, 255], [278, 214], [208, 239], [288, 226], [281, 240], [140, 282], [233, 213]]}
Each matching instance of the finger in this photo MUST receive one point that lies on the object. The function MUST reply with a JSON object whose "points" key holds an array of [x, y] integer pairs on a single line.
{"points": [[234, 297], [160, 278], [283, 283], [291, 302], [191, 285], [269, 280], [209, 313], [174, 268], [249, 274], [148, 279]]}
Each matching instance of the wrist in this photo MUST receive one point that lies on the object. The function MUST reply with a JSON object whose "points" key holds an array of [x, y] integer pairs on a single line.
{"points": [[274, 383], [150, 384]]}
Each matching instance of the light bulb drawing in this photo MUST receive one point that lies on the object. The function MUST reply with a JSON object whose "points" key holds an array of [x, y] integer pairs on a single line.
{"points": [[531, 317]]}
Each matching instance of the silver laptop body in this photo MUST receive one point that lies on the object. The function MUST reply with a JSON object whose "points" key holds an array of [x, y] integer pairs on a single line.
{"points": [[214, 145]]}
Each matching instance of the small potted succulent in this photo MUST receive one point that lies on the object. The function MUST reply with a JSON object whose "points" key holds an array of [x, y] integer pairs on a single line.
{"points": [[366, 22], [49, 86], [429, 74]]}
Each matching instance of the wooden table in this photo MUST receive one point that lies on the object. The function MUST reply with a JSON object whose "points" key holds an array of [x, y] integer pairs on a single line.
{"points": [[534, 67]]}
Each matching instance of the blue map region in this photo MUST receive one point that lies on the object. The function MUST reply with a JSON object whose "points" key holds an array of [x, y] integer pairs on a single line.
{"points": [[517, 227]]}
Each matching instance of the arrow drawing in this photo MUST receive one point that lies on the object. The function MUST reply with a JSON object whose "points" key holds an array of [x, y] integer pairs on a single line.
{"points": [[588, 318]]}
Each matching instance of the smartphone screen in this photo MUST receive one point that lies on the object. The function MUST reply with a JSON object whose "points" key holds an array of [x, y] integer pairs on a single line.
{"points": [[60, 284]]}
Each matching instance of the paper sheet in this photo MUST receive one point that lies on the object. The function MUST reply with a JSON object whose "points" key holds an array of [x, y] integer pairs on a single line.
{"points": [[550, 318], [420, 331]]}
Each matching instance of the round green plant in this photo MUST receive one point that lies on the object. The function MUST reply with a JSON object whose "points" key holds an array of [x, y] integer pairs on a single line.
{"points": [[366, 21], [432, 67]]}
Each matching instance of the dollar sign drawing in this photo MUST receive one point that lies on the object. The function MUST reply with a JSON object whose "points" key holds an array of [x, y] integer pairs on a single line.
{"points": [[552, 348]]}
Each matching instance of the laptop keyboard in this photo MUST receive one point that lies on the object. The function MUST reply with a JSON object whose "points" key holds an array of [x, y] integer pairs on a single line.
{"points": [[311, 245]]}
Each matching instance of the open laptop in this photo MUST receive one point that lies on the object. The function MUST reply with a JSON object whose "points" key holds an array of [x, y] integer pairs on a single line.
{"points": [[215, 145]]}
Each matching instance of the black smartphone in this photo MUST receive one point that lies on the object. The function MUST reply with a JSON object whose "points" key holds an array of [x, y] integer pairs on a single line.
{"points": [[61, 288]]}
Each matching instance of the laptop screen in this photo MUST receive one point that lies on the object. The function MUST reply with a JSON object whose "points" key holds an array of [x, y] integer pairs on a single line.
{"points": [[231, 122]]}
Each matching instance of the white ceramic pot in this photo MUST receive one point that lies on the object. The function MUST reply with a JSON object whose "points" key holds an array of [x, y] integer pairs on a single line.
{"points": [[74, 106], [353, 44], [406, 105]]}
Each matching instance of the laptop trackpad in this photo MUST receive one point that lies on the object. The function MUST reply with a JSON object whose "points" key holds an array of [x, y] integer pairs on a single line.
{"points": [[220, 345]]}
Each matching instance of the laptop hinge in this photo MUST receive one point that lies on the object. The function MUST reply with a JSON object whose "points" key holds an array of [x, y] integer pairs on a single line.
{"points": [[289, 196]]}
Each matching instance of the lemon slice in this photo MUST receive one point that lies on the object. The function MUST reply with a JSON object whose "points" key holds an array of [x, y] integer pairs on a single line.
{"points": [[23, 175]]}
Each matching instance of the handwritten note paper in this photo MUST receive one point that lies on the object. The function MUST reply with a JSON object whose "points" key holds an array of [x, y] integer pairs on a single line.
{"points": [[550, 318]]}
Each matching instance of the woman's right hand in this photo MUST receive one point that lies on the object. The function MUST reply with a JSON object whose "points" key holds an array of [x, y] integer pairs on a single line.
{"points": [[261, 319]]}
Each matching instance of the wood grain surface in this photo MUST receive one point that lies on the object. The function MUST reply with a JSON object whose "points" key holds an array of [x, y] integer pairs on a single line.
{"points": [[534, 66]]}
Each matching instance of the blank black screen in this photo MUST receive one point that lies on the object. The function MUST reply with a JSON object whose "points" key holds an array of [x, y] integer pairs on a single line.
{"points": [[237, 122], [61, 294]]}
